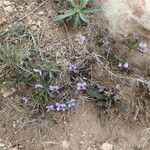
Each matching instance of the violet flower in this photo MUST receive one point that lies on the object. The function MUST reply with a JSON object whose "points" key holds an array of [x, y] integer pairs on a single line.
{"points": [[38, 85], [25, 99], [126, 65], [38, 71], [50, 108], [143, 47], [72, 68], [81, 39], [81, 86], [60, 106], [71, 103], [105, 42], [54, 88]]}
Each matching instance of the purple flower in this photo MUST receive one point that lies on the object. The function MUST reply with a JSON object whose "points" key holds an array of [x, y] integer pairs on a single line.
{"points": [[105, 42], [25, 99], [126, 65], [81, 39], [72, 68], [54, 88], [143, 47], [38, 85], [81, 86], [23, 63], [71, 103], [38, 71], [50, 107], [60, 106]]}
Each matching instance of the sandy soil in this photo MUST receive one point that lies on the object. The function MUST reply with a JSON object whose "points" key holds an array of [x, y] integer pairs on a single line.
{"points": [[85, 127]]}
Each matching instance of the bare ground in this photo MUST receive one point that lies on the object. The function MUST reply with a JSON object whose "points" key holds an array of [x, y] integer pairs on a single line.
{"points": [[84, 128]]}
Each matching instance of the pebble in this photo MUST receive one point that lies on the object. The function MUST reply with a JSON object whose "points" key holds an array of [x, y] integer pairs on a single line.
{"points": [[14, 125], [2, 145], [81, 142], [7, 3], [65, 144], [40, 13], [2, 21], [10, 92], [14, 148], [106, 146], [8, 9], [1, 3]]}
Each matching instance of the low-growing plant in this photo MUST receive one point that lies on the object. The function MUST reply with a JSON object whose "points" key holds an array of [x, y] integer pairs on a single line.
{"points": [[78, 12], [9, 56]]}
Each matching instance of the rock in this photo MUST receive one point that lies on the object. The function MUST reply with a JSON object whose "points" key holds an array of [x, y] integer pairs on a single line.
{"points": [[106, 146], [65, 144], [7, 3], [9, 145], [81, 142], [132, 16], [2, 146], [40, 13], [14, 148], [1, 3], [8, 9], [2, 21], [14, 125], [9, 92]]}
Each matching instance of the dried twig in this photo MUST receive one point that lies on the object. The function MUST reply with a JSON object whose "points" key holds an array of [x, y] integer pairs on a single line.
{"points": [[137, 80]]}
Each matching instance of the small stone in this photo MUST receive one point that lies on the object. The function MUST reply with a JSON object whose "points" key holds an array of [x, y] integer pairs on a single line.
{"points": [[65, 144], [2, 145], [8, 9], [106, 146], [39, 23], [89, 148], [81, 142], [14, 148], [7, 3], [14, 125], [40, 13], [9, 93], [2, 21], [9, 145], [1, 3]]}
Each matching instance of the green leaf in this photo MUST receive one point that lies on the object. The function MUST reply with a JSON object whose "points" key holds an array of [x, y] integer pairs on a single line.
{"points": [[84, 18], [83, 3], [77, 21], [72, 2], [91, 10], [63, 16]]}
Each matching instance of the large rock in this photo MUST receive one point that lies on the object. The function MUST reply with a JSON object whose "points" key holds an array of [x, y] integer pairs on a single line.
{"points": [[127, 16]]}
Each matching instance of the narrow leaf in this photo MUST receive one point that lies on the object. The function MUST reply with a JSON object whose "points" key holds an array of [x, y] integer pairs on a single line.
{"points": [[77, 21], [63, 16], [72, 2], [84, 18], [83, 3], [91, 10]]}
